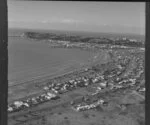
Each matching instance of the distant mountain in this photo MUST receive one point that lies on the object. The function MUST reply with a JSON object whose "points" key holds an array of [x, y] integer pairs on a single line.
{"points": [[20, 31]]}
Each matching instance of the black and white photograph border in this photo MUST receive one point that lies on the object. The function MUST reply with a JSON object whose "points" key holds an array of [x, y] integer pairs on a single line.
{"points": [[99, 92]]}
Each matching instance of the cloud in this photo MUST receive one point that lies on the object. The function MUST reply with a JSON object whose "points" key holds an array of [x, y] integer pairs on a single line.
{"points": [[11, 20], [58, 20], [69, 21], [45, 21]]}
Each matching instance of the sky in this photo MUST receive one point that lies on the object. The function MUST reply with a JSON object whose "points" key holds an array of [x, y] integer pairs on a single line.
{"points": [[116, 17]]}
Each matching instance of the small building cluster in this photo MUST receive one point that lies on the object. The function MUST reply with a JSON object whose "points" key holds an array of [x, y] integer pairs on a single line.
{"points": [[72, 84], [83, 107], [19, 105]]}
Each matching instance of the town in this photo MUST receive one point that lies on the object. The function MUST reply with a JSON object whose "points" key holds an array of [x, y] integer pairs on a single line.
{"points": [[122, 73], [67, 41]]}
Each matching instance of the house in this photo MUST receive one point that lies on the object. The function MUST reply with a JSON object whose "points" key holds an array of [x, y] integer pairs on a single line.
{"points": [[18, 104]]}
